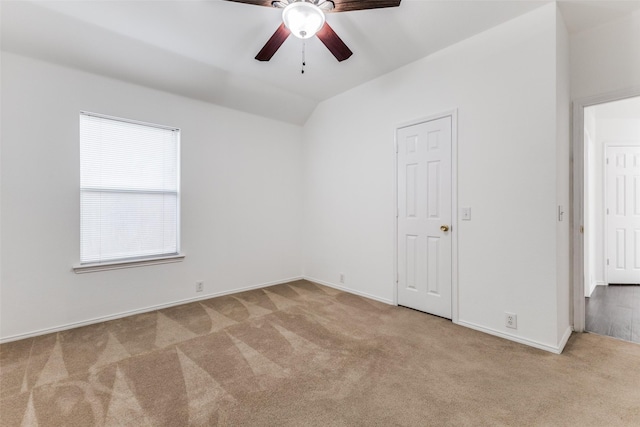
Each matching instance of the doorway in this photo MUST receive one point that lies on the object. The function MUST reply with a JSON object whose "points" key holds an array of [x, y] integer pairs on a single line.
{"points": [[425, 243], [611, 218]]}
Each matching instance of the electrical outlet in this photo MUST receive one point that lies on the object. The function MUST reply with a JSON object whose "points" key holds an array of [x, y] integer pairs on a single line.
{"points": [[342, 278], [511, 320], [199, 286]]}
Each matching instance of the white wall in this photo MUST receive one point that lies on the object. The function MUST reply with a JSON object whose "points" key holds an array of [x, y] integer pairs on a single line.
{"points": [[606, 59], [605, 63], [245, 187], [563, 173], [503, 83], [615, 123], [241, 193]]}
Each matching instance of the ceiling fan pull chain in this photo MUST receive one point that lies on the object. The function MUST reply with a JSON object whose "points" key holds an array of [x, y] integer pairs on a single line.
{"points": [[304, 62]]}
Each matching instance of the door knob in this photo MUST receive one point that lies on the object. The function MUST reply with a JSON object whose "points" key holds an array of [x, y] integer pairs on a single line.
{"points": [[444, 227]]}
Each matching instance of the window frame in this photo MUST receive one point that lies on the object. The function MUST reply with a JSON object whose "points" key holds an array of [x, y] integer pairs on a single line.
{"points": [[135, 261]]}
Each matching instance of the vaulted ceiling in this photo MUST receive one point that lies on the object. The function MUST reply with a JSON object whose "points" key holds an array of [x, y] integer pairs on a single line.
{"points": [[205, 49]]}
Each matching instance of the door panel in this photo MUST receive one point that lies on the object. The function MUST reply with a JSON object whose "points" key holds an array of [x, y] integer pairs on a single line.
{"points": [[623, 214], [424, 206]]}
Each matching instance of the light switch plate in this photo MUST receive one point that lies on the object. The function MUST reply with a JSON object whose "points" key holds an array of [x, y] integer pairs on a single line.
{"points": [[466, 214]]}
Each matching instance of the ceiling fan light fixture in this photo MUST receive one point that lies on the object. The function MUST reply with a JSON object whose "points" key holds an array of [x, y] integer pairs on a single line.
{"points": [[303, 19]]}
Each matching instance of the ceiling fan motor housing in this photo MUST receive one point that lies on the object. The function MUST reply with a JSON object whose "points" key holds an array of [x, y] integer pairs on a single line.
{"points": [[303, 18], [325, 5]]}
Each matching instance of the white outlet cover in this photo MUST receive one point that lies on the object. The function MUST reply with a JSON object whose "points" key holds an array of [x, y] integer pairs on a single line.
{"points": [[511, 320]]}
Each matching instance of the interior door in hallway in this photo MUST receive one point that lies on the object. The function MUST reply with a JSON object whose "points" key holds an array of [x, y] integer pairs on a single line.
{"points": [[623, 214], [424, 216]]}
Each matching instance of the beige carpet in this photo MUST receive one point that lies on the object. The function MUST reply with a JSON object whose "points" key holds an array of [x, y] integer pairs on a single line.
{"points": [[301, 354]]}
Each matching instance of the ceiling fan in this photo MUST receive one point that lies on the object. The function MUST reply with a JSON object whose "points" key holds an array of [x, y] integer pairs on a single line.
{"points": [[305, 19]]}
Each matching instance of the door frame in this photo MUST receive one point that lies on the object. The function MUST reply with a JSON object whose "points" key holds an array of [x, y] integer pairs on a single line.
{"points": [[453, 113], [577, 197]]}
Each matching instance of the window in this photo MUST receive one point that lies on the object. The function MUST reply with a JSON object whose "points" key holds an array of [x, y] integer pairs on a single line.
{"points": [[129, 190]]}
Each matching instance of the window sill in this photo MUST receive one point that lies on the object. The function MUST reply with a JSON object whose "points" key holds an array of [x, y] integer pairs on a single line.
{"points": [[117, 265]]}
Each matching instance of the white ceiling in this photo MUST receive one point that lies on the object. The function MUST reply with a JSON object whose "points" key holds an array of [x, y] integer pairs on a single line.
{"points": [[205, 49]]}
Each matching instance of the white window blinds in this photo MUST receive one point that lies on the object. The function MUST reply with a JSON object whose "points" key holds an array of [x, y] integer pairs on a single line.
{"points": [[129, 189]]}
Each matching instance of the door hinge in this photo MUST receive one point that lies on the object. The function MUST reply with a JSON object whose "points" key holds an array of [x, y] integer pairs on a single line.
{"points": [[607, 211], [607, 261], [398, 213], [582, 229]]}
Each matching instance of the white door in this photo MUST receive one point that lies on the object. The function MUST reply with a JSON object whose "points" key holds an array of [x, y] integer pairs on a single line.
{"points": [[623, 214], [424, 216]]}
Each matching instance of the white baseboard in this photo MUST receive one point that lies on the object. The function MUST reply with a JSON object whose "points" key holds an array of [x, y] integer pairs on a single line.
{"points": [[349, 290], [592, 287], [140, 311], [553, 349], [532, 343], [564, 339]]}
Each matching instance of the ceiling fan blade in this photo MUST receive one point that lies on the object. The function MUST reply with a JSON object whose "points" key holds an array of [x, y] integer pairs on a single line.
{"points": [[334, 43], [267, 3], [350, 5], [274, 43]]}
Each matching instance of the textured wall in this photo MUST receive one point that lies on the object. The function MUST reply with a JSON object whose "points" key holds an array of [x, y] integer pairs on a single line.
{"points": [[503, 83], [240, 199], [606, 58]]}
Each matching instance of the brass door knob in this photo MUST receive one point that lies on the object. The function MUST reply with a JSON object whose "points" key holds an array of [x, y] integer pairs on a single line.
{"points": [[444, 227]]}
